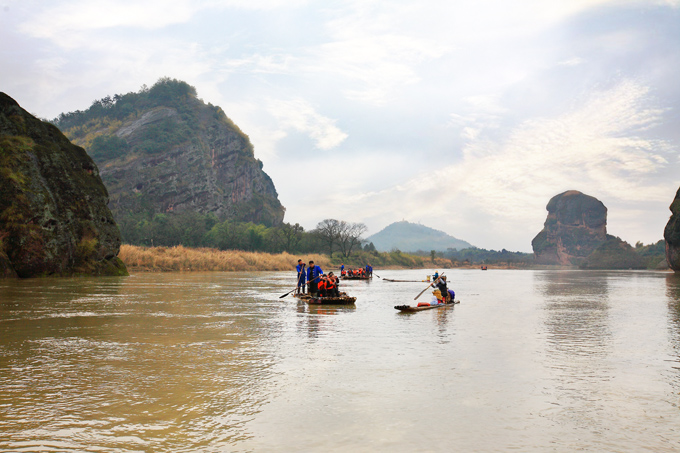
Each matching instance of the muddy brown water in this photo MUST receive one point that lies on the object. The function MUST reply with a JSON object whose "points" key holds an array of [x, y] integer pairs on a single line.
{"points": [[217, 362]]}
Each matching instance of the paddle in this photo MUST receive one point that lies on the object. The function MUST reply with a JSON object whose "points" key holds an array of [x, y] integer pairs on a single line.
{"points": [[298, 282], [281, 297], [376, 275], [428, 286]]}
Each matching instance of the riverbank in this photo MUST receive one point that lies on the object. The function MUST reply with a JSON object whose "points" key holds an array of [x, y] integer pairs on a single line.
{"points": [[187, 259]]}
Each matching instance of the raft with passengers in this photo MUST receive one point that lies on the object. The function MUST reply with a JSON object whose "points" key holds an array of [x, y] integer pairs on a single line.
{"points": [[362, 273], [316, 288], [442, 297]]}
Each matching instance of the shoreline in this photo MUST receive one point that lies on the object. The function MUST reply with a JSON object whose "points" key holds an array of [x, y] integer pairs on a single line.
{"points": [[179, 258]]}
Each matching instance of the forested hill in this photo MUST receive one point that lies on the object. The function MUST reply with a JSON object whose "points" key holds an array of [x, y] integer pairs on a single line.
{"points": [[413, 237], [163, 150]]}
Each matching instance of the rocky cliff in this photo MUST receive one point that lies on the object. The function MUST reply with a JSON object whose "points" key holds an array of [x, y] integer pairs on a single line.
{"points": [[54, 218], [672, 234], [576, 225], [163, 150]]}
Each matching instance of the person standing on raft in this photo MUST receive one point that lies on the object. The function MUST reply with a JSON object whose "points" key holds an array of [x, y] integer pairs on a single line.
{"points": [[441, 287], [300, 278], [313, 274]]}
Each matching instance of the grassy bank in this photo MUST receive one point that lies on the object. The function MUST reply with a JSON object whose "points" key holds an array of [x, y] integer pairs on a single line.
{"points": [[185, 259]]}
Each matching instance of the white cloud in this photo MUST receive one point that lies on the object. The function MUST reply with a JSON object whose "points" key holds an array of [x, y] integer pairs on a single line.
{"points": [[596, 148], [576, 61], [68, 20], [299, 115]]}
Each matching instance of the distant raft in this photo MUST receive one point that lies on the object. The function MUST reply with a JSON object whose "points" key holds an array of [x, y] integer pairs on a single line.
{"points": [[410, 309]]}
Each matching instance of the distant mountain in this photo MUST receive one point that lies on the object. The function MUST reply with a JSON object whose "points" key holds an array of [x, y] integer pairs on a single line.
{"points": [[411, 237]]}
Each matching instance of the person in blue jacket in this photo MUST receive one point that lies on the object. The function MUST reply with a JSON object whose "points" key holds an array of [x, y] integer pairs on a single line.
{"points": [[313, 272], [301, 274]]}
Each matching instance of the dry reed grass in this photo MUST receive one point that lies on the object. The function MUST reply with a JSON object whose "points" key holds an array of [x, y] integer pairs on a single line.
{"points": [[185, 259]]}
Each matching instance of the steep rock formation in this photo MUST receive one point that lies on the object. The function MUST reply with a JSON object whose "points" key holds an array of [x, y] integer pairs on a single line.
{"points": [[175, 154], [672, 234], [576, 225], [54, 218]]}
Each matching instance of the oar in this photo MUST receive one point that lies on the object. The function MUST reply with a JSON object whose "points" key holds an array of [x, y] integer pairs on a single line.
{"points": [[376, 275], [428, 287], [281, 297], [298, 283]]}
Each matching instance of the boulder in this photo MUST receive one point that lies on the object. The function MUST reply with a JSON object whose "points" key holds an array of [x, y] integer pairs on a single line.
{"points": [[54, 218], [576, 225]]}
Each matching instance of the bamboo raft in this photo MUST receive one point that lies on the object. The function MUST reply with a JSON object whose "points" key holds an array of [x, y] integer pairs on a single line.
{"points": [[410, 309], [344, 299]]}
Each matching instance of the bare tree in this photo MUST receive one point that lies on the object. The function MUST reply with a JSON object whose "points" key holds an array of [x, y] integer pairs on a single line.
{"points": [[350, 236], [328, 231]]}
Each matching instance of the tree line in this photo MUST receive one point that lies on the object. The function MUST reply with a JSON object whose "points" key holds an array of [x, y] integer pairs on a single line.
{"points": [[193, 229]]}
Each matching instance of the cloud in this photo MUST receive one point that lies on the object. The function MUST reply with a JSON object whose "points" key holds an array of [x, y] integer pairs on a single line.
{"points": [[299, 115], [599, 147], [65, 22]]}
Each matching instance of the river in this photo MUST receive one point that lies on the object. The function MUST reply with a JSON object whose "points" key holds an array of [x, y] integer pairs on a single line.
{"points": [[216, 362]]}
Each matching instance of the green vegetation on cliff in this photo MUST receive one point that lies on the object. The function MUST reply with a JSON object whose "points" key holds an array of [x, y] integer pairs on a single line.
{"points": [[162, 150], [94, 127], [54, 218]]}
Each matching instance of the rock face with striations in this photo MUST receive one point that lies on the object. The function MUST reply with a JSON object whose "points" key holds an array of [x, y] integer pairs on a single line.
{"points": [[672, 234], [576, 225], [54, 218], [163, 150]]}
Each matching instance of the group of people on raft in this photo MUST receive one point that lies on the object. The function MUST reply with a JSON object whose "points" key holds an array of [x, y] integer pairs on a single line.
{"points": [[364, 272], [314, 282]]}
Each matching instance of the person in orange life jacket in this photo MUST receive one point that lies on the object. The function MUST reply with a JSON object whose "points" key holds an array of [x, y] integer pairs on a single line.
{"points": [[332, 285], [300, 278], [321, 286], [314, 273]]}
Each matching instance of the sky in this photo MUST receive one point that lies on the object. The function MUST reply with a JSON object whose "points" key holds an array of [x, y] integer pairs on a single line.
{"points": [[464, 116]]}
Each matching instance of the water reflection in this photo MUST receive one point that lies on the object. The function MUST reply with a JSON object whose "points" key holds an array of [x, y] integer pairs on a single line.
{"points": [[131, 364], [314, 319], [673, 295], [578, 342]]}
